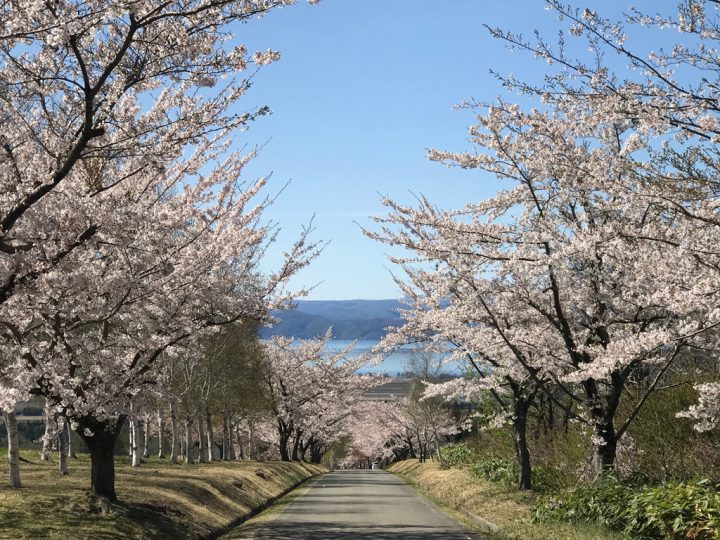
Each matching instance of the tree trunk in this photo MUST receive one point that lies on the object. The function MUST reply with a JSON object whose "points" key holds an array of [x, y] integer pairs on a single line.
{"points": [[146, 436], [70, 446], [13, 448], [211, 456], [226, 438], [131, 435], [189, 444], [47, 439], [62, 446], [605, 450], [161, 438], [284, 434], [231, 440], [411, 449], [174, 438], [522, 454], [602, 410], [100, 438], [202, 444], [421, 448], [296, 445], [251, 441], [316, 453], [437, 448], [135, 428]]}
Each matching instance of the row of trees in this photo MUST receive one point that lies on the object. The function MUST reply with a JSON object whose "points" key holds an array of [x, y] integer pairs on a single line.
{"points": [[234, 397], [127, 233], [591, 279], [312, 395], [412, 426]]}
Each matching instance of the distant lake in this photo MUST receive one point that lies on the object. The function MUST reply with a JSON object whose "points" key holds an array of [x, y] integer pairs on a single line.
{"points": [[393, 364]]}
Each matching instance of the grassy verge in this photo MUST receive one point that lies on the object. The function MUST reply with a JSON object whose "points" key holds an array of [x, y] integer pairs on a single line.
{"points": [[508, 508], [157, 500]]}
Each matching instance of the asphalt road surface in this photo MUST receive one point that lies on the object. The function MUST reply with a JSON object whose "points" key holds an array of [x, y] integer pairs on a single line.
{"points": [[355, 504]]}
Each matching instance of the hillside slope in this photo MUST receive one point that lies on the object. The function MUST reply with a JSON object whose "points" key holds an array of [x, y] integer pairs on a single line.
{"points": [[349, 319]]}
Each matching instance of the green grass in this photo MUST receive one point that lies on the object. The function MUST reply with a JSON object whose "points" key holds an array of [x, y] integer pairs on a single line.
{"points": [[157, 500], [457, 490]]}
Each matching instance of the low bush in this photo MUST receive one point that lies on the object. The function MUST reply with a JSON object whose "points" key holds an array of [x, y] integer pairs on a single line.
{"points": [[496, 470], [507, 473], [457, 455], [674, 510], [545, 478]]}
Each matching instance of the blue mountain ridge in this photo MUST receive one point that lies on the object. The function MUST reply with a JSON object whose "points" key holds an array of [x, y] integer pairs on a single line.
{"points": [[349, 319]]}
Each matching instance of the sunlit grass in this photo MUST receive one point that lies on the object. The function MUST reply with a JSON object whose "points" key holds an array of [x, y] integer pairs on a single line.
{"points": [[157, 500], [508, 508]]}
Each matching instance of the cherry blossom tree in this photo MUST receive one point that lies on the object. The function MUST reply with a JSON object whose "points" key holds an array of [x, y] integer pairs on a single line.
{"points": [[552, 270], [377, 431], [438, 315], [126, 229], [385, 431], [310, 393], [669, 101]]}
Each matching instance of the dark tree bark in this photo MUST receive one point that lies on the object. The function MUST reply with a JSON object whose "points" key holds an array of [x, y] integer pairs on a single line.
{"points": [[522, 454], [602, 410], [226, 438], [295, 456], [100, 439], [285, 432], [317, 451]]}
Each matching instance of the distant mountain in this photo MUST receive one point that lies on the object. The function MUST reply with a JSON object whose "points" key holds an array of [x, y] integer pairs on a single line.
{"points": [[350, 319]]}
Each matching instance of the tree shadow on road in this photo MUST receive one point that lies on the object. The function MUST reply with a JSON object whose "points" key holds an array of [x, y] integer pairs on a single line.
{"points": [[331, 531]]}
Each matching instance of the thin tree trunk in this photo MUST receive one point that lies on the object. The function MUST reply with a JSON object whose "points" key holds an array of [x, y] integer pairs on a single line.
{"points": [[135, 427], [226, 438], [437, 448], [62, 446], [146, 436], [161, 438], [296, 445], [13, 448], [70, 446], [522, 454], [251, 440], [284, 434], [231, 440], [210, 436], [47, 439], [174, 437], [131, 435], [202, 443], [189, 444], [100, 438], [421, 448]]}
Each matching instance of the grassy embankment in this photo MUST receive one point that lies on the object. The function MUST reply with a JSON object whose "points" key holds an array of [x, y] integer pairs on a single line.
{"points": [[508, 508], [157, 500]]}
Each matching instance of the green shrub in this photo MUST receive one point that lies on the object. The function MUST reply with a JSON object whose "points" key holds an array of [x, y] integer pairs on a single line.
{"points": [[546, 478], [456, 455], [496, 470], [675, 510]]}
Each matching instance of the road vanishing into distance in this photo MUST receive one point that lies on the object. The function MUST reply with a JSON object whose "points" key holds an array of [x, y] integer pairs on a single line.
{"points": [[353, 504]]}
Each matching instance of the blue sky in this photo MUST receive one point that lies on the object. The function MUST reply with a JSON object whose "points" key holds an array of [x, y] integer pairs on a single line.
{"points": [[363, 89]]}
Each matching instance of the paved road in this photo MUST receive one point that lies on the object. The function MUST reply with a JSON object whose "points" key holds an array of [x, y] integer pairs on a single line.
{"points": [[376, 505]]}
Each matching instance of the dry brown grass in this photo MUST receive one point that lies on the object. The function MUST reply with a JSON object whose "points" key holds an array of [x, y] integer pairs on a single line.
{"points": [[508, 508], [157, 500]]}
